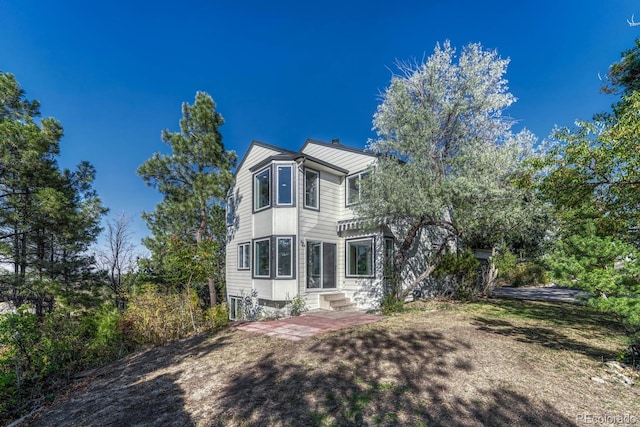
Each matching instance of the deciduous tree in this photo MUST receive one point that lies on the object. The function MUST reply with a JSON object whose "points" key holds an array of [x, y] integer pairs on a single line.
{"points": [[447, 155], [118, 259]]}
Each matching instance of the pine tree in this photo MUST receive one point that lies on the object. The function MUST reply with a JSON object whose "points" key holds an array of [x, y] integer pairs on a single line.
{"points": [[194, 180], [48, 217]]}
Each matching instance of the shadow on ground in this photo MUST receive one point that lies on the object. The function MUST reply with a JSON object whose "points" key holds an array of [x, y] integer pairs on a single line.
{"points": [[140, 389], [373, 377], [546, 337], [562, 314]]}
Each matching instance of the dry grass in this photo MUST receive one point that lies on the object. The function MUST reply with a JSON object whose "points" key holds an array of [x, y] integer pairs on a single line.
{"points": [[489, 363]]}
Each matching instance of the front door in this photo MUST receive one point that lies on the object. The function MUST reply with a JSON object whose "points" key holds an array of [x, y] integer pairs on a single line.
{"points": [[321, 265]]}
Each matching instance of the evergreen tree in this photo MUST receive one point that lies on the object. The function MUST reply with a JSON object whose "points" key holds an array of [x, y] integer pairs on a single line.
{"points": [[592, 177], [194, 180], [48, 217]]}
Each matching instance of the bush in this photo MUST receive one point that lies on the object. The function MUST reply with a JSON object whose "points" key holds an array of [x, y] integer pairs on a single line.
{"points": [[391, 304], [108, 340], [219, 315], [251, 308], [298, 306], [153, 317], [505, 262], [461, 267], [35, 355]]}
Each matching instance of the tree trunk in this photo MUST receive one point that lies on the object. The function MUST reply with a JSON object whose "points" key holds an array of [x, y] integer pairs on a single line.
{"points": [[212, 292], [400, 257]]}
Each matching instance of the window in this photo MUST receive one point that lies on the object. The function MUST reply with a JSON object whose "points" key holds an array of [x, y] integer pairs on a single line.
{"points": [[284, 257], [261, 258], [353, 187], [360, 258], [321, 265], [244, 256], [274, 258], [262, 189], [389, 253], [235, 308], [314, 264], [311, 189], [230, 211], [285, 188]]}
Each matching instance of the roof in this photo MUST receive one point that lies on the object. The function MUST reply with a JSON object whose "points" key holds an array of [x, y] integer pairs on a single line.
{"points": [[337, 146], [260, 144], [285, 154]]}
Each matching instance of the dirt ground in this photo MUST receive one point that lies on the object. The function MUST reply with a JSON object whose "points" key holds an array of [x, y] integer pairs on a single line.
{"points": [[491, 363]]}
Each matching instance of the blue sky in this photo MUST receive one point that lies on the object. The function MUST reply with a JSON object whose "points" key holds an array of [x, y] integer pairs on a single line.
{"points": [[115, 73]]}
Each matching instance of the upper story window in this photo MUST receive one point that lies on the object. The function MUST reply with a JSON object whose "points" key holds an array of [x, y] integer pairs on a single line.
{"points": [[285, 187], [262, 189], [311, 189], [273, 186], [353, 187], [230, 210]]}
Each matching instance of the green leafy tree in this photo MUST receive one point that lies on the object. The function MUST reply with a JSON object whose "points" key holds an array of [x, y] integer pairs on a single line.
{"points": [[48, 217], [194, 180], [592, 177], [448, 157]]}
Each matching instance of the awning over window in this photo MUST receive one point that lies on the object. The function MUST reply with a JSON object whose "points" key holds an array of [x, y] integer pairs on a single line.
{"points": [[349, 224]]}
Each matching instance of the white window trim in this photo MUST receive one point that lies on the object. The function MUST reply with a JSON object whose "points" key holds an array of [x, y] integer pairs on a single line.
{"points": [[235, 306], [278, 166], [357, 176], [317, 198], [256, 190], [256, 259], [230, 211], [244, 248], [291, 261], [347, 266], [321, 258], [388, 260]]}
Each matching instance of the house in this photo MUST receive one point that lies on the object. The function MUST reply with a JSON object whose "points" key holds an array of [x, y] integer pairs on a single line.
{"points": [[291, 229]]}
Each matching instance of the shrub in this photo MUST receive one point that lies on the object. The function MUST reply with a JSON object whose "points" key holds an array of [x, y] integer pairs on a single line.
{"points": [[251, 308], [298, 306], [462, 267], [154, 317], [391, 304], [506, 262], [219, 315], [108, 340], [36, 355]]}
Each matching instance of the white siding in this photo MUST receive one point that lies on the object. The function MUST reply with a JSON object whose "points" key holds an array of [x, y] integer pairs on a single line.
{"points": [[306, 224], [239, 282], [334, 155]]}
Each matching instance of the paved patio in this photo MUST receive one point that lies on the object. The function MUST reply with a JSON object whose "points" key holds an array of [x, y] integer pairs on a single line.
{"points": [[311, 323]]}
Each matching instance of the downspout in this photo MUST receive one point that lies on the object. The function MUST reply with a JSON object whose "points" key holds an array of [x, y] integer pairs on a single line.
{"points": [[299, 207]]}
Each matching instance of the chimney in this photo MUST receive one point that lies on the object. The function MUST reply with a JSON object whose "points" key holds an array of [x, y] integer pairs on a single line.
{"points": [[335, 141]]}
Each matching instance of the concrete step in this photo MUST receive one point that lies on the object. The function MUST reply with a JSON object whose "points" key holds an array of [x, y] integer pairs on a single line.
{"points": [[336, 302], [342, 305], [333, 297]]}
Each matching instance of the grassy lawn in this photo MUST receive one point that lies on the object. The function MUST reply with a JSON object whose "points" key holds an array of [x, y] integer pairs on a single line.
{"points": [[494, 362]]}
